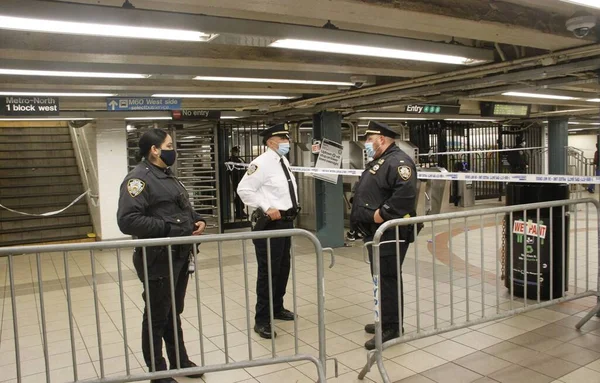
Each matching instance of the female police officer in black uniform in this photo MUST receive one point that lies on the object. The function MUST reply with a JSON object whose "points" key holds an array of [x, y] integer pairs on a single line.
{"points": [[154, 204]]}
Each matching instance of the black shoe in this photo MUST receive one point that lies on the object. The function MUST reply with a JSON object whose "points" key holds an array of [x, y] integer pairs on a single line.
{"points": [[387, 335], [264, 330], [370, 328], [163, 380], [284, 314], [351, 236], [188, 364]]}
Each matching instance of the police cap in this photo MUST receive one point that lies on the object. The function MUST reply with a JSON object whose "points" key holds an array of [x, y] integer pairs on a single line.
{"points": [[375, 127], [281, 130]]}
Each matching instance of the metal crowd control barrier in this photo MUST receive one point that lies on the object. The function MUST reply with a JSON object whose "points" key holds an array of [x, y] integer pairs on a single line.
{"points": [[458, 281], [67, 263]]}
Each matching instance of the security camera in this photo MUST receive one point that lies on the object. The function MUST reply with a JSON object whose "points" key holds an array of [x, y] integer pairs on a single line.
{"points": [[581, 24], [359, 81]]}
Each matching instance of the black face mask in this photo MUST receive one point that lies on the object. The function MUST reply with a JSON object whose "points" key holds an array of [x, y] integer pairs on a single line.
{"points": [[168, 156]]}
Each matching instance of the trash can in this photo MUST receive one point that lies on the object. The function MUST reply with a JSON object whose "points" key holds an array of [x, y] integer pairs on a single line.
{"points": [[525, 234]]}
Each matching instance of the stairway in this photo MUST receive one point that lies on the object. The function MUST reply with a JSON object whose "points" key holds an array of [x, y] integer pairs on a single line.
{"points": [[38, 174]]}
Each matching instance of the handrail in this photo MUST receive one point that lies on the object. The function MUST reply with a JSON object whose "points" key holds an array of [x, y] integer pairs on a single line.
{"points": [[87, 165]]}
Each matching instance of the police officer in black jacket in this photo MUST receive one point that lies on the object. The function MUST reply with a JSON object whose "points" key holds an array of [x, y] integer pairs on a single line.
{"points": [[386, 190], [153, 203]]}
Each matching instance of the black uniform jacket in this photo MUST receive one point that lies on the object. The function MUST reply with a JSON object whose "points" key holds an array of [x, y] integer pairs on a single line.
{"points": [[154, 204], [389, 184]]}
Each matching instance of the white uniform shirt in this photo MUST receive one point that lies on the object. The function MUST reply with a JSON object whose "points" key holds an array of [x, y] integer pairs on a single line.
{"points": [[265, 185]]}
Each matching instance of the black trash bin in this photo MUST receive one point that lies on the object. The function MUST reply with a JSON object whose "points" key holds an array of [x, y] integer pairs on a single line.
{"points": [[525, 234]]}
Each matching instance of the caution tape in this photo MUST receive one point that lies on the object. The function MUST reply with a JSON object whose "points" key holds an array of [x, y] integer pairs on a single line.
{"points": [[446, 176], [50, 213]]}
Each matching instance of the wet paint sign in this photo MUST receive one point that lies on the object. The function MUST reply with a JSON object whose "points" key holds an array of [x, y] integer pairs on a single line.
{"points": [[530, 229]]}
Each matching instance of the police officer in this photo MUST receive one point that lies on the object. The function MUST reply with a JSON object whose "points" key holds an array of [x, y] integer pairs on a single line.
{"points": [[153, 203], [386, 190], [236, 177], [269, 186]]}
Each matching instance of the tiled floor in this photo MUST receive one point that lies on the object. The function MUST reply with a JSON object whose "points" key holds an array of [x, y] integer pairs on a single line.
{"points": [[538, 346]]}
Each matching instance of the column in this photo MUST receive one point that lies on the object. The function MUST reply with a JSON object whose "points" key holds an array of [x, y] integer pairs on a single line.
{"points": [[329, 198], [111, 151], [558, 140]]}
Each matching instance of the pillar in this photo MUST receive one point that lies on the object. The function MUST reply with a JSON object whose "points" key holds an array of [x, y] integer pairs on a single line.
{"points": [[329, 198], [558, 140], [111, 151]]}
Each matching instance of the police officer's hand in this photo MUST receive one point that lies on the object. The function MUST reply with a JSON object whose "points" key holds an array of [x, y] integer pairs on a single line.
{"points": [[274, 214], [377, 217], [200, 226]]}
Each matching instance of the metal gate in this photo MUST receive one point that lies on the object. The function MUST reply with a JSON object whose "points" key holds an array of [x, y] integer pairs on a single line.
{"points": [[444, 136], [244, 135], [196, 165]]}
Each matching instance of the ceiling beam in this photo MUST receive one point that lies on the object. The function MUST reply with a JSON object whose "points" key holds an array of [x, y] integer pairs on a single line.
{"points": [[496, 21], [221, 25], [86, 49]]}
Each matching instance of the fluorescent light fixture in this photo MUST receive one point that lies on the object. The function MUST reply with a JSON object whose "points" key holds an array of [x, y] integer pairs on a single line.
{"points": [[537, 95], [375, 118], [55, 94], [273, 80], [229, 117], [93, 29], [148, 118], [585, 3], [225, 96], [365, 50], [594, 100], [471, 119], [53, 73], [574, 123], [583, 123], [48, 119]]}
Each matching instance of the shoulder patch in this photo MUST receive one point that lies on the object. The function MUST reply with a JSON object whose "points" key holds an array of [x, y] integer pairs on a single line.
{"points": [[405, 172], [135, 186], [251, 169]]}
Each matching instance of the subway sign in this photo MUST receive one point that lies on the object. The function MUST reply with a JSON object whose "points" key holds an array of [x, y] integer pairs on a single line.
{"points": [[432, 109]]}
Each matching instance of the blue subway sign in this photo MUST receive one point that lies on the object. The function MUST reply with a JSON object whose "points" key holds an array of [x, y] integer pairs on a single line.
{"points": [[120, 104]]}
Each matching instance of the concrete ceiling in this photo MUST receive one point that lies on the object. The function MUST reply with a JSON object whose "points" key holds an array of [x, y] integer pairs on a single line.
{"points": [[518, 35]]}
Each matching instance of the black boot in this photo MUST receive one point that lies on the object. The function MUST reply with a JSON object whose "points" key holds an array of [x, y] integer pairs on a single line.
{"points": [[387, 335]]}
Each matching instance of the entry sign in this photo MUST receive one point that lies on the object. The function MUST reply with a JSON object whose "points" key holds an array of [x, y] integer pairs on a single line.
{"points": [[29, 106], [330, 157], [432, 109], [119, 104]]}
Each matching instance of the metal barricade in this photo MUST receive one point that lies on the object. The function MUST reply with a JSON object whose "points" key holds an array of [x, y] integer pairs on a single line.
{"points": [[466, 290], [50, 302]]}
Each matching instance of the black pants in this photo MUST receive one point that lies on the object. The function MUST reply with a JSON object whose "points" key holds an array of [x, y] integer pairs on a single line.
{"points": [[280, 271], [162, 319], [239, 206], [388, 283]]}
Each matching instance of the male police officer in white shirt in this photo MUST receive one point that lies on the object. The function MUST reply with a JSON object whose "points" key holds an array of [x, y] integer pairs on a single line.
{"points": [[269, 186]]}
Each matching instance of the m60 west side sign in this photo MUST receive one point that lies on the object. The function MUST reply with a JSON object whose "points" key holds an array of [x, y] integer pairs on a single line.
{"points": [[29, 106]]}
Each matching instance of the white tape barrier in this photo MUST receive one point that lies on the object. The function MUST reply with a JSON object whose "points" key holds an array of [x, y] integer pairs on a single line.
{"points": [[50, 213], [479, 151], [445, 176]]}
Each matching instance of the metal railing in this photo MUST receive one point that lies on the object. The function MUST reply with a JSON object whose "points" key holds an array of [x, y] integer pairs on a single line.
{"points": [[466, 290], [48, 303]]}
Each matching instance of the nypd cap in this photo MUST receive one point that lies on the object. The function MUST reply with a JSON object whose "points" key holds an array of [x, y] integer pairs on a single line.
{"points": [[281, 130], [375, 127]]}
